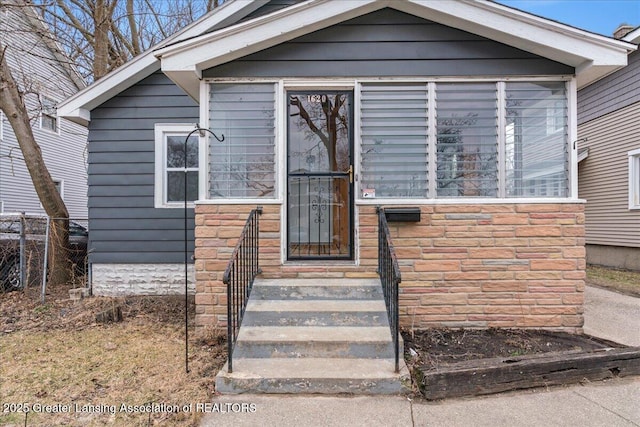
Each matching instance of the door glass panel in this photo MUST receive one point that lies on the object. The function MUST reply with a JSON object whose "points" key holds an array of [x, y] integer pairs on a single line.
{"points": [[319, 187]]}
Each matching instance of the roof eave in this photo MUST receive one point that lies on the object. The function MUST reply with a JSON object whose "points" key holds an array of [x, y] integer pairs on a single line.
{"points": [[592, 55]]}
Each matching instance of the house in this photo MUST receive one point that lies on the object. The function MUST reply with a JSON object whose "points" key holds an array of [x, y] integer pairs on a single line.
{"points": [[608, 126], [465, 110], [47, 78]]}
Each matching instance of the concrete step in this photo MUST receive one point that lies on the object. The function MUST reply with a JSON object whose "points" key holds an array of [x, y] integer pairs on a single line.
{"points": [[316, 375], [316, 292], [315, 318], [314, 341], [314, 336], [285, 306]]}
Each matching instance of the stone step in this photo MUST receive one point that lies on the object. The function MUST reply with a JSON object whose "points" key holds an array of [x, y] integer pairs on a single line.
{"points": [[315, 318], [313, 375], [340, 283], [314, 342], [320, 292], [284, 306]]}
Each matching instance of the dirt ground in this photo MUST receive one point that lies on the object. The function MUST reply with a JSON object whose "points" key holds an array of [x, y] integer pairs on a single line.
{"points": [[57, 353], [436, 347]]}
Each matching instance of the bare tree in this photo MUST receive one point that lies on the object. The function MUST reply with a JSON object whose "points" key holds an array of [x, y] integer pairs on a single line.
{"points": [[100, 35], [13, 106]]}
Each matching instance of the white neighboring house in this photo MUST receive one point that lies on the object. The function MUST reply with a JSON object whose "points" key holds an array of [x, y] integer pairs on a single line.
{"points": [[47, 78]]}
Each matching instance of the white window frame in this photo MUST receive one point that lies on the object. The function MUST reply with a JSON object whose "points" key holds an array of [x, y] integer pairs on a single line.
{"points": [[1, 126], [161, 130], [47, 114], [634, 179]]}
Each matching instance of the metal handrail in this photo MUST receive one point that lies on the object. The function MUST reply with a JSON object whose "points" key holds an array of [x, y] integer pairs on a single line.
{"points": [[241, 271], [389, 272]]}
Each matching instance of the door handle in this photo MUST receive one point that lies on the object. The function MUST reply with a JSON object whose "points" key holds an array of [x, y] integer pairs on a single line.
{"points": [[350, 174]]}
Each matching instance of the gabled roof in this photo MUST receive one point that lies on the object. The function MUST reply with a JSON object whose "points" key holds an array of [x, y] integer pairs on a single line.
{"points": [[184, 57], [78, 107]]}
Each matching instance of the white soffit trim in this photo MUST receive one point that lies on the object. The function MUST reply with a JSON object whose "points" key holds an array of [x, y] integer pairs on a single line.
{"points": [[592, 55], [78, 107]]}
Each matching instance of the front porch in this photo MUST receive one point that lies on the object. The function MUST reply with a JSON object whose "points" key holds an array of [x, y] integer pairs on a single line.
{"points": [[322, 327]]}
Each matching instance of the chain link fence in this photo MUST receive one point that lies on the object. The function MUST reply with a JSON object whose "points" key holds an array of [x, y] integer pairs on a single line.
{"points": [[26, 246]]}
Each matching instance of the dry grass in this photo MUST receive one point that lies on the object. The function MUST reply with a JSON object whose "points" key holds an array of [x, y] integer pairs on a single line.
{"points": [[623, 281], [136, 362]]}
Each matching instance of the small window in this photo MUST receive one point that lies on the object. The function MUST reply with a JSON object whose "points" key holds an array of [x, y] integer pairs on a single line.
{"points": [[59, 186], [634, 179], [48, 114], [170, 165]]}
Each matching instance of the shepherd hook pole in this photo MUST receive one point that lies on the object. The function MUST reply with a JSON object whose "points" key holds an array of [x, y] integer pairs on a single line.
{"points": [[201, 132]]}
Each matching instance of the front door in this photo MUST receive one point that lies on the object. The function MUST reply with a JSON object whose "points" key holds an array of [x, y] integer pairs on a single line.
{"points": [[320, 175]]}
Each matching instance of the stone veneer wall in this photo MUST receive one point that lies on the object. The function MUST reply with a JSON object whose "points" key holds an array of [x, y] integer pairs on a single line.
{"points": [[140, 279], [472, 266]]}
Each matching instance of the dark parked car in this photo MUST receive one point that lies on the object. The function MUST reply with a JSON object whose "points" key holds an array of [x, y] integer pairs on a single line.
{"points": [[35, 233]]}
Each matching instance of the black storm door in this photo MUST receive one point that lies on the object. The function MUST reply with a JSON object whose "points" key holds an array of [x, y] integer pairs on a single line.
{"points": [[320, 175]]}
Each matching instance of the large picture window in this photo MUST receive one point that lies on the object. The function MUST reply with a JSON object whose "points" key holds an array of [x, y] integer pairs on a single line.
{"points": [[464, 140], [170, 165], [243, 165]]}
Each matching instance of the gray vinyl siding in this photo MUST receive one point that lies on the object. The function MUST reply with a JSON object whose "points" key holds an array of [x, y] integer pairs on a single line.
{"points": [[125, 225], [389, 43], [34, 65], [613, 92], [603, 177]]}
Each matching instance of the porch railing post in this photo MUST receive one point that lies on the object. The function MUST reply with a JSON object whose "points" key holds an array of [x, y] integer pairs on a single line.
{"points": [[389, 272], [241, 271]]}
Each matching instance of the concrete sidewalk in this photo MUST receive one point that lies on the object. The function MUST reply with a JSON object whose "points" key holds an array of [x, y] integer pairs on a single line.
{"points": [[612, 316], [607, 403]]}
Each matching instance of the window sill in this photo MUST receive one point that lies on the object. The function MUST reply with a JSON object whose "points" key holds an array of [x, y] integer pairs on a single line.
{"points": [[469, 201], [239, 202]]}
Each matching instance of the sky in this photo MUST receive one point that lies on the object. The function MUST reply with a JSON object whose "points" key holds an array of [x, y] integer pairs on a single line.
{"points": [[597, 16]]}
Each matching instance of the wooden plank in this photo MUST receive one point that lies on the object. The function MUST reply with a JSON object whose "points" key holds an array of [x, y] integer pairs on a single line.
{"points": [[497, 375]]}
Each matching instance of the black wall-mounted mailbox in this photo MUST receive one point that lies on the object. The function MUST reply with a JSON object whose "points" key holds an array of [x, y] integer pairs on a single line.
{"points": [[411, 214]]}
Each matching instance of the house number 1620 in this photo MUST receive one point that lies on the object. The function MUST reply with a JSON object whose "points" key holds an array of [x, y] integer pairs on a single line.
{"points": [[316, 98]]}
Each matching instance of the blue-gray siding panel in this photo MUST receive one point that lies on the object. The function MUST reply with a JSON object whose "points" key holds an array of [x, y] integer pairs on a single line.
{"points": [[125, 226], [388, 43], [612, 93]]}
